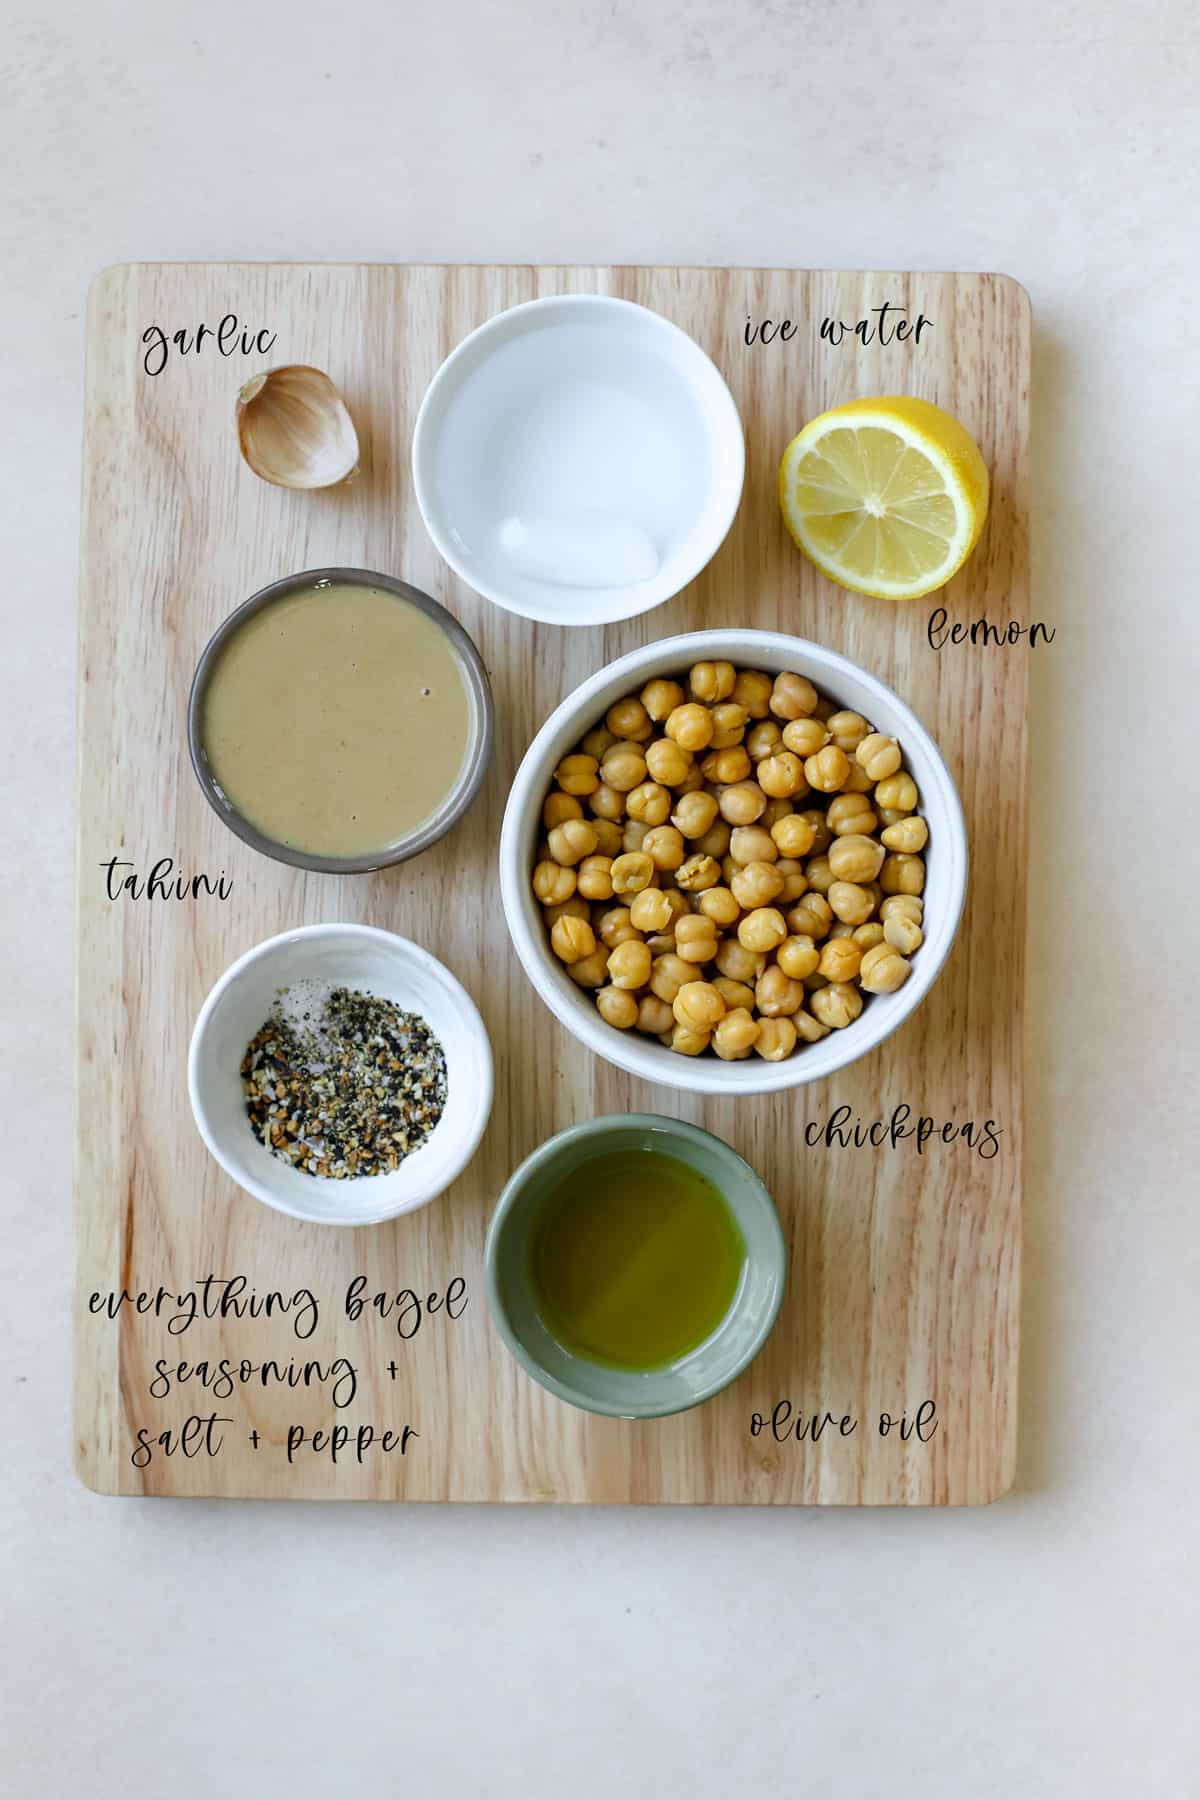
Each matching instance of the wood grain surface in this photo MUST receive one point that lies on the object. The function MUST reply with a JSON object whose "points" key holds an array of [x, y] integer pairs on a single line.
{"points": [[905, 1268]]}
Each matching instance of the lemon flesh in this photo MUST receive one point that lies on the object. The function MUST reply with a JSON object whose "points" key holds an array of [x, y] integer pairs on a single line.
{"points": [[888, 497]]}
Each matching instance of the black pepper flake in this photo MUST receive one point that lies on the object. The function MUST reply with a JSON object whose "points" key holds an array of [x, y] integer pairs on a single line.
{"points": [[350, 1087]]}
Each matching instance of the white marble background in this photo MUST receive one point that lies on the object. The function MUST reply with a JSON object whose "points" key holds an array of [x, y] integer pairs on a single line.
{"points": [[1045, 1647]]}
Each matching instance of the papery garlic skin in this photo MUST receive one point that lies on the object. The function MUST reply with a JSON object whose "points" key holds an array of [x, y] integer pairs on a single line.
{"points": [[294, 429]]}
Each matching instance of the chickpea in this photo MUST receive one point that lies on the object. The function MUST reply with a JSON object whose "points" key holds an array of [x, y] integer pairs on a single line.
{"points": [[698, 873], [726, 766], [553, 884], [609, 837], [615, 927], [737, 995], [711, 681], [793, 697], [698, 1006], [762, 930], [824, 710], [623, 768], [798, 957], [617, 1006], [649, 803], [742, 803], [654, 1015], [595, 878], [691, 783], [737, 963], [822, 835], [795, 881], [607, 803], [903, 906], [729, 725], [793, 835], [820, 876], [666, 762], [715, 841], [897, 792], [752, 689], [756, 884], [847, 730], [694, 813], [804, 737], [598, 742], [696, 939], [850, 815], [827, 770], [776, 1039], [559, 807], [781, 776], [763, 739], [750, 843], [736, 1035], [631, 872], [904, 935], [590, 971], [878, 755], [633, 836], [902, 874], [572, 939], [837, 1005], [855, 857], [719, 905], [629, 719], [661, 697], [668, 974], [851, 903], [808, 1028], [571, 842], [574, 908], [729, 869], [884, 970], [629, 965], [689, 1043], [578, 775], [865, 936], [665, 847], [691, 726], [840, 958], [651, 910], [909, 835], [811, 917], [777, 995]]}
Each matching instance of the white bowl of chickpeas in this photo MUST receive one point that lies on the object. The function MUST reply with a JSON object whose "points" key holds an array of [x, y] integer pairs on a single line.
{"points": [[733, 862]]}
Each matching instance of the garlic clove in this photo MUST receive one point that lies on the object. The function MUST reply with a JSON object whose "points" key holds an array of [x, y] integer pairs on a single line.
{"points": [[294, 429]]}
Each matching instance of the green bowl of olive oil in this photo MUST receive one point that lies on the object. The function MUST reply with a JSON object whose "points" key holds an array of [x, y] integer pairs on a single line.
{"points": [[635, 1265]]}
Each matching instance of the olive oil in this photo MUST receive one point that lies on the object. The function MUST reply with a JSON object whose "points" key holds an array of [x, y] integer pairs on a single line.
{"points": [[635, 1260]]}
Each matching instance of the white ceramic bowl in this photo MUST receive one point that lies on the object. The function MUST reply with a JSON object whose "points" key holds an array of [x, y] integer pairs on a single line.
{"points": [[356, 956], [578, 459], [840, 680]]}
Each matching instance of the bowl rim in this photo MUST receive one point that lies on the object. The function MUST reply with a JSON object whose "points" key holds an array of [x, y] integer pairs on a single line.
{"points": [[409, 951], [729, 430], [702, 1074], [602, 1126], [475, 761]]}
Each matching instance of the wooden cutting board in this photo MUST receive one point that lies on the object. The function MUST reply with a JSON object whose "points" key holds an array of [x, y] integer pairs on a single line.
{"points": [[904, 1287]]}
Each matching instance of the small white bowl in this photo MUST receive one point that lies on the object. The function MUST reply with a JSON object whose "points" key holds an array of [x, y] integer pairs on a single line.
{"points": [[578, 459], [355, 956], [838, 679]]}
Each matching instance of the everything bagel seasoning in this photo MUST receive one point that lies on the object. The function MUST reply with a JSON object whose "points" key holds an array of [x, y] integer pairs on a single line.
{"points": [[341, 1083]]}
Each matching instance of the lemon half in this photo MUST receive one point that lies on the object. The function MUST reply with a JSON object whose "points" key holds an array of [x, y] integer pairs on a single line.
{"points": [[886, 496]]}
